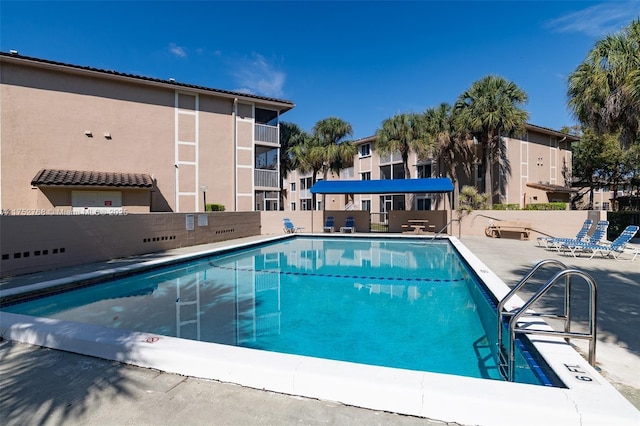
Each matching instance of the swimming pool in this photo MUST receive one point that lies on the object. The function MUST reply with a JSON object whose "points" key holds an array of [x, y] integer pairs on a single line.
{"points": [[386, 302], [444, 397]]}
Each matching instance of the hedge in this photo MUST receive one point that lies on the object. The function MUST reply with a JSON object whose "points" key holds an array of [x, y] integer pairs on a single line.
{"points": [[547, 206], [214, 207], [505, 207]]}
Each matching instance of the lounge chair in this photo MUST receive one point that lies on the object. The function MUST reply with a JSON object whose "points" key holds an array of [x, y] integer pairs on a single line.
{"points": [[580, 236], [289, 227], [615, 249], [328, 224], [595, 239], [349, 225]]}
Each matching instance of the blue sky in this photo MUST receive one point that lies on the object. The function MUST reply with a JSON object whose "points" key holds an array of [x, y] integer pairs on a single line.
{"points": [[360, 61]]}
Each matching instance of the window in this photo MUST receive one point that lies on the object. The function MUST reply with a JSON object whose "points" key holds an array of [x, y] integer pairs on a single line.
{"points": [[365, 176], [423, 203], [306, 183], [366, 205], [385, 172], [365, 150], [293, 207], [305, 204], [266, 158], [424, 170], [293, 187], [605, 205], [266, 116], [391, 202], [398, 171]]}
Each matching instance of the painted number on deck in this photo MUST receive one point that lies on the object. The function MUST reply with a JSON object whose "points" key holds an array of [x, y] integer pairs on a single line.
{"points": [[580, 374]]}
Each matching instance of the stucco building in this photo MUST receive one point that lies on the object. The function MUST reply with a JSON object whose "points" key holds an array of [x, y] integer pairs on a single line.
{"points": [[539, 161], [79, 139]]}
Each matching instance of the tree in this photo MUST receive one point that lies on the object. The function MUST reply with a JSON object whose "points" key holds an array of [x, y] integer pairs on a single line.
{"points": [[599, 161], [330, 134], [452, 151], [490, 109], [325, 150], [290, 135], [403, 133], [604, 90]]}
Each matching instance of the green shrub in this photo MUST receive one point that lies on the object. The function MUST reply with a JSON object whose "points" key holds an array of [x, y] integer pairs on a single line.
{"points": [[470, 199], [214, 207], [505, 207], [547, 206], [619, 220]]}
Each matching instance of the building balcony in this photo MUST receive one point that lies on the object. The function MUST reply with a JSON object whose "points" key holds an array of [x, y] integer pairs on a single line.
{"points": [[266, 179], [304, 193], [266, 133]]}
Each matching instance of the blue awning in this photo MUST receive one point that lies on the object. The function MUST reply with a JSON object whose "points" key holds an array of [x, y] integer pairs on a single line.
{"points": [[386, 186]]}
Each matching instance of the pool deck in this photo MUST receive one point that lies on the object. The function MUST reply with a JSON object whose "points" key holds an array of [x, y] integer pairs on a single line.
{"points": [[43, 386]]}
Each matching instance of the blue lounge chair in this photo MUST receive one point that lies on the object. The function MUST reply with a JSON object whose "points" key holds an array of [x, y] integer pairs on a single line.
{"points": [[598, 235], [349, 225], [328, 224], [580, 236], [615, 249], [289, 227]]}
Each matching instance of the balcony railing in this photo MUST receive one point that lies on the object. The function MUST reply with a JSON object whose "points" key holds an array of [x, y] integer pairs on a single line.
{"points": [[265, 133], [347, 173], [266, 178], [304, 193]]}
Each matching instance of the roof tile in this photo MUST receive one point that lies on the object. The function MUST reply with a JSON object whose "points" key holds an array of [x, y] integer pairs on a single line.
{"points": [[54, 177]]}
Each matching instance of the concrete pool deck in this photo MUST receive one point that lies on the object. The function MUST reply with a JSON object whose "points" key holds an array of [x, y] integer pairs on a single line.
{"points": [[51, 387]]}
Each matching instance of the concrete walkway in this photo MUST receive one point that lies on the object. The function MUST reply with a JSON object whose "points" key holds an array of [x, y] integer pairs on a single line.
{"points": [[618, 320], [48, 387]]}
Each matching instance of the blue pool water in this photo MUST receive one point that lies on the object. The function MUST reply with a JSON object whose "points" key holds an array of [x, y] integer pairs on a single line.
{"points": [[389, 302]]}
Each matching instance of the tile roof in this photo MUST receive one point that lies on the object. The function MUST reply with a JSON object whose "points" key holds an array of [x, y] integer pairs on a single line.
{"points": [[46, 177], [286, 104]]}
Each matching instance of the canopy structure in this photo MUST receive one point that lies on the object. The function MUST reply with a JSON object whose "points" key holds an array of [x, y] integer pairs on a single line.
{"points": [[385, 186]]}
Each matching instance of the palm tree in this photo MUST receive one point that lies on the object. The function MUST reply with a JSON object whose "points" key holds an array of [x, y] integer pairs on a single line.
{"points": [[489, 109], [308, 157], [452, 152], [330, 134], [604, 90], [290, 135], [324, 151], [403, 133]]}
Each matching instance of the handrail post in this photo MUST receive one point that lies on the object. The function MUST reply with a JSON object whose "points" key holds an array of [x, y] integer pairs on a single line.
{"points": [[592, 336], [517, 287]]}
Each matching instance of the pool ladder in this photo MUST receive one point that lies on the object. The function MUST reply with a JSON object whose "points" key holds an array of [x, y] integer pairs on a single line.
{"points": [[507, 352]]}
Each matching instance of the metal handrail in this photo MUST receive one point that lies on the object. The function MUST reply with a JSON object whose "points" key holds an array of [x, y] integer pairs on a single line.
{"points": [[444, 227], [483, 215], [591, 336], [520, 284]]}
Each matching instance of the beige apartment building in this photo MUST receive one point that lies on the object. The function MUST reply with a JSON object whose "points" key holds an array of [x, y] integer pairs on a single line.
{"points": [[76, 139], [537, 161]]}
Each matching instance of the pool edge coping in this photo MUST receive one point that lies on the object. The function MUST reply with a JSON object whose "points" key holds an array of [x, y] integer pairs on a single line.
{"points": [[431, 395]]}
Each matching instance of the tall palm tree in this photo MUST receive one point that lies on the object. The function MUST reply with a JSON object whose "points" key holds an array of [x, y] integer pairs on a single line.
{"points": [[403, 133], [604, 90], [489, 109], [330, 135], [290, 135], [325, 150], [452, 152], [308, 157]]}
